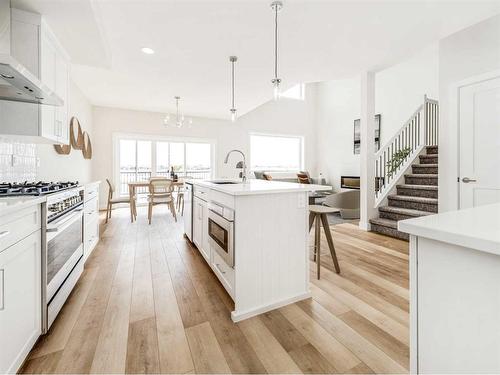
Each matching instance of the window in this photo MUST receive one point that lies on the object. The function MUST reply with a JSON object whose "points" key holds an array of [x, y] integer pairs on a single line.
{"points": [[295, 92], [276, 153], [140, 159], [135, 162]]}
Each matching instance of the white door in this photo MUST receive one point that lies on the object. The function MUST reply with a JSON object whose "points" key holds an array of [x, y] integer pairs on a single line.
{"points": [[479, 116]]}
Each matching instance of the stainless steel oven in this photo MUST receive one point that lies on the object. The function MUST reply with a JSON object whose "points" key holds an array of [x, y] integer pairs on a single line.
{"points": [[221, 231], [63, 250]]}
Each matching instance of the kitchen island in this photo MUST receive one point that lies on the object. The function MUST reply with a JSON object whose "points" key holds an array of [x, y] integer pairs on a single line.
{"points": [[254, 236], [455, 291]]}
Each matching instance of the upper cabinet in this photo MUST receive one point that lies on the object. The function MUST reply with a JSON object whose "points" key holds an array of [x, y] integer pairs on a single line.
{"points": [[35, 46]]}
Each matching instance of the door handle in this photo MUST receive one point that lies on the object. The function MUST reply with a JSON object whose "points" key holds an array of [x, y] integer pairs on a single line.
{"points": [[5, 233], [467, 180]]}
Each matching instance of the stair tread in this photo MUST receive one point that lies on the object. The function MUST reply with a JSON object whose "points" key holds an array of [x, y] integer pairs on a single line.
{"points": [[385, 222], [417, 187], [428, 156], [410, 198], [405, 211], [426, 165], [423, 175]]}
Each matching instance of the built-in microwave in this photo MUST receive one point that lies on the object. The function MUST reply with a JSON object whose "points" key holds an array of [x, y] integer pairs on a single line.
{"points": [[221, 231]]}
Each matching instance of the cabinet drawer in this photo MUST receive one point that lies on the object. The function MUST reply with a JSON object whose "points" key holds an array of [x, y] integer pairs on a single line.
{"points": [[223, 272], [20, 301], [201, 192], [222, 198], [91, 208], [18, 225], [91, 191], [90, 236]]}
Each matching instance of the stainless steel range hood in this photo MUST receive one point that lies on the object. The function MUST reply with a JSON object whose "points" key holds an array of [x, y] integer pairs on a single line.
{"points": [[17, 83]]}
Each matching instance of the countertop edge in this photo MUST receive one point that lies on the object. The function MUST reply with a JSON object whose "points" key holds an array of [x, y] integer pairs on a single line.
{"points": [[471, 242], [292, 189], [32, 201]]}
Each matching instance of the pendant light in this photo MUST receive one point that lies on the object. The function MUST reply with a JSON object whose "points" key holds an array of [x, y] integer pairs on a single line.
{"points": [[180, 120], [232, 59], [276, 6]]}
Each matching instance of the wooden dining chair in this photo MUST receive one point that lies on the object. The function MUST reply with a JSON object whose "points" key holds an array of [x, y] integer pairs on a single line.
{"points": [[112, 200], [180, 200], [160, 192]]}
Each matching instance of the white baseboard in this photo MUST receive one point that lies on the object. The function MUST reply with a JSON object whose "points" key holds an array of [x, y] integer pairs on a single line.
{"points": [[238, 316]]}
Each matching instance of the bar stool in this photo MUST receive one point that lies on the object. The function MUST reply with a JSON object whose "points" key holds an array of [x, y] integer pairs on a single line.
{"points": [[318, 213]]}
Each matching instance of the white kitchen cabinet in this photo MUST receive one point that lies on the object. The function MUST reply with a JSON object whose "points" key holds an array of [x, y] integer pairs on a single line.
{"points": [[90, 219], [20, 301], [54, 72], [200, 227], [35, 46]]}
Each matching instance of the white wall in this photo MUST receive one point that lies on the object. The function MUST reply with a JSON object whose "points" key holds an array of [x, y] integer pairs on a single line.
{"points": [[399, 91], [468, 53], [286, 116]]}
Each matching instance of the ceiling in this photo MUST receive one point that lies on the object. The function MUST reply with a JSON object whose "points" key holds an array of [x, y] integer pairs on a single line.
{"points": [[319, 40]]}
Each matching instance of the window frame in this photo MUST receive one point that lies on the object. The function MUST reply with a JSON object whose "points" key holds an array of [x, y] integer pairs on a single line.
{"points": [[154, 139], [301, 138]]}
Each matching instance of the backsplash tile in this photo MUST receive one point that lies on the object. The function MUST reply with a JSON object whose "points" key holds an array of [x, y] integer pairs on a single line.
{"points": [[18, 161]]}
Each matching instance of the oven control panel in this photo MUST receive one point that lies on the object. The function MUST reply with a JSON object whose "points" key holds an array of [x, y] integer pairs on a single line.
{"points": [[59, 204]]}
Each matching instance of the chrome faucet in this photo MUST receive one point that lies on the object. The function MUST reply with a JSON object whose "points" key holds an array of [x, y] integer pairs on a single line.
{"points": [[240, 164]]}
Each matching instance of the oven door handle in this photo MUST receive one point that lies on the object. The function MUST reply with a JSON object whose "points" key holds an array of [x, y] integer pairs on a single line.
{"points": [[66, 222]]}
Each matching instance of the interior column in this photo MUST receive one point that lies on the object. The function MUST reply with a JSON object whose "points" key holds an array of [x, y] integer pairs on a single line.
{"points": [[367, 150]]}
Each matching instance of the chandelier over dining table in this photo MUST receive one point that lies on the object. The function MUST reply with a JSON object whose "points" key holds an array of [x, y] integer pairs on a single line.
{"points": [[180, 120]]}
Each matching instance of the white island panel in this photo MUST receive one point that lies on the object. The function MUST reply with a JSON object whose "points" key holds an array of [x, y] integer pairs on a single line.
{"points": [[271, 259]]}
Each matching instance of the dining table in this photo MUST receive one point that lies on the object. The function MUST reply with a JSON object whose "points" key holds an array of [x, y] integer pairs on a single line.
{"points": [[134, 185]]}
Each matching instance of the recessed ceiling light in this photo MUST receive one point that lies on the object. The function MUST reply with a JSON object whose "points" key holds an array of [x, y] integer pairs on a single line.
{"points": [[147, 50]]}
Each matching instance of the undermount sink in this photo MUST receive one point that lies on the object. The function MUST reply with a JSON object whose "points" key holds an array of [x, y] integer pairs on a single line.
{"points": [[225, 182]]}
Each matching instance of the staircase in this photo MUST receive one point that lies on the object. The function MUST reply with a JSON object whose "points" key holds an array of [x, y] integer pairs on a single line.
{"points": [[418, 196], [400, 195]]}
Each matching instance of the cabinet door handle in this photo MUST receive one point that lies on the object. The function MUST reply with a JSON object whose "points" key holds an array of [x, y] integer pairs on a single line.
{"points": [[2, 290], [3, 234]]}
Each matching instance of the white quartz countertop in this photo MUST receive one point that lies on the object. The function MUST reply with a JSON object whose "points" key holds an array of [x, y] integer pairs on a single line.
{"points": [[252, 187], [10, 204], [476, 228]]}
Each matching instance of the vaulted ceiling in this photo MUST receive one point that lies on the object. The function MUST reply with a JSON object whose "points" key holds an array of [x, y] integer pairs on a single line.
{"points": [[318, 40]]}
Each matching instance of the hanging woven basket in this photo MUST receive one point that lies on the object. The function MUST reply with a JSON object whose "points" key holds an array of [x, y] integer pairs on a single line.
{"points": [[87, 146], [76, 140]]}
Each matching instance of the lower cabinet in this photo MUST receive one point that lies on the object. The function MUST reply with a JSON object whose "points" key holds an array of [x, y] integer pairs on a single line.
{"points": [[20, 301], [200, 227], [91, 219]]}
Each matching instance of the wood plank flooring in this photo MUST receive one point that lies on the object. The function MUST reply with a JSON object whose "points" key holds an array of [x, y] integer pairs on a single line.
{"points": [[148, 303]]}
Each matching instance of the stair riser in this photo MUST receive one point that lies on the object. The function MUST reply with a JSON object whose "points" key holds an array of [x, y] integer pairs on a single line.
{"points": [[417, 169], [413, 205], [394, 216], [426, 160], [412, 180], [417, 193], [389, 232], [432, 150]]}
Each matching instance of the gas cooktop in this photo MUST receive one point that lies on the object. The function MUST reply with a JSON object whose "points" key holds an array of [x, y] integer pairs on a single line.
{"points": [[33, 188]]}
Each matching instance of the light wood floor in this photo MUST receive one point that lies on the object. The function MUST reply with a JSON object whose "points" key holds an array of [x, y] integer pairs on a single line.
{"points": [[148, 303]]}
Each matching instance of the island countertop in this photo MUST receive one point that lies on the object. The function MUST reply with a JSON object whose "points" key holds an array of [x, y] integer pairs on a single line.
{"points": [[254, 187], [476, 228]]}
